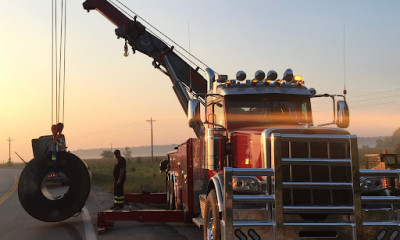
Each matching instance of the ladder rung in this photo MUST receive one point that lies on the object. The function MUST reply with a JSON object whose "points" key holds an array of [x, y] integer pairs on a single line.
{"points": [[317, 185], [380, 199], [253, 172], [381, 223], [251, 223], [379, 173], [316, 161], [254, 198], [318, 224], [314, 137], [319, 209]]}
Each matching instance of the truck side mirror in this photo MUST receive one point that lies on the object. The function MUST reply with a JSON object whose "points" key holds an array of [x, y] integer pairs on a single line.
{"points": [[194, 113], [342, 114]]}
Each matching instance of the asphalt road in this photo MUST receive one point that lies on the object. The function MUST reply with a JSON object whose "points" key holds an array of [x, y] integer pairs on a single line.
{"points": [[16, 224]]}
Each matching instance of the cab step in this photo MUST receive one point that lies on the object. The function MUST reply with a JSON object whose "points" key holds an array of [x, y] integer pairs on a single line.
{"points": [[198, 221]]}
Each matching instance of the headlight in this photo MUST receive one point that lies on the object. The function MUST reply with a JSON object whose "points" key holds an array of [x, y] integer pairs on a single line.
{"points": [[370, 183], [246, 184]]}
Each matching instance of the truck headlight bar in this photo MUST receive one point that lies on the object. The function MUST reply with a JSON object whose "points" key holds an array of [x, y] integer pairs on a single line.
{"points": [[368, 183], [246, 184]]}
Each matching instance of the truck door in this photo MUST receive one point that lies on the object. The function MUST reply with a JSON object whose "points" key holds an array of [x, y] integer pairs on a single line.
{"points": [[215, 135]]}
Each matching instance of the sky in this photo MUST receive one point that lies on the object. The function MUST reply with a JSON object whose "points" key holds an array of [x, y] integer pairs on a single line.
{"points": [[109, 97]]}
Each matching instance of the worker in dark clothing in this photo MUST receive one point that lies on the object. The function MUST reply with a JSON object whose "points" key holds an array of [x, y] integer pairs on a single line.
{"points": [[119, 175]]}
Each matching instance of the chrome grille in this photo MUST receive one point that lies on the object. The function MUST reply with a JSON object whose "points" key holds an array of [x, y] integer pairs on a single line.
{"points": [[316, 167], [282, 220]]}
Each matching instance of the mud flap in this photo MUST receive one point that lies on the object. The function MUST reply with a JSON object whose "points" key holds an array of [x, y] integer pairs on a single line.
{"points": [[34, 196]]}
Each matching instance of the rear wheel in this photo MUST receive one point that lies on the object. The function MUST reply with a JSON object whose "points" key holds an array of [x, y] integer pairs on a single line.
{"points": [[212, 228]]}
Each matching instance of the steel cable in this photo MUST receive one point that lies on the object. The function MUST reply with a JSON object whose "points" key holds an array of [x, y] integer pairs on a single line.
{"points": [[60, 63], [56, 56], [173, 42], [52, 61], [65, 47]]}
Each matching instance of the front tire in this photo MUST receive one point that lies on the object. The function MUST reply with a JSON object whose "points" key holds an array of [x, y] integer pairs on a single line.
{"points": [[212, 228]]}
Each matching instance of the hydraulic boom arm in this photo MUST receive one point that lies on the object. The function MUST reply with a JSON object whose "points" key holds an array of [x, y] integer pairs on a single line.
{"points": [[182, 75]]}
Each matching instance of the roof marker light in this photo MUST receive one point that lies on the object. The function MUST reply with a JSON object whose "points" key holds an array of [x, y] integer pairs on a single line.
{"points": [[260, 75], [288, 75], [278, 83], [222, 78], [300, 84], [240, 75], [272, 75], [313, 91]]}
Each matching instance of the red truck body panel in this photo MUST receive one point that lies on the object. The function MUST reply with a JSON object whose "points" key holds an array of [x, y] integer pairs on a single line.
{"points": [[246, 145]]}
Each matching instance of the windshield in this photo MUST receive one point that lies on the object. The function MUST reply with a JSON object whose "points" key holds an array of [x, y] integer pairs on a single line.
{"points": [[262, 110]]}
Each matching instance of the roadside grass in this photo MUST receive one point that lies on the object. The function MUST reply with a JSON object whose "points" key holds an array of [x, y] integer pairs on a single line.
{"points": [[142, 175], [13, 165]]}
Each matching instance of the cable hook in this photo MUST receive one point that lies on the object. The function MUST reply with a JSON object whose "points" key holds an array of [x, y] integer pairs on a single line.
{"points": [[126, 53]]}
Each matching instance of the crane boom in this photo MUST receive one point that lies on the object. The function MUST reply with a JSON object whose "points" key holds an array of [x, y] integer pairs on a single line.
{"points": [[181, 73]]}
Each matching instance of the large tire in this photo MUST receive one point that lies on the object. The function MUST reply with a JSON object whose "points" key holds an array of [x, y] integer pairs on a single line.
{"points": [[31, 192], [212, 228]]}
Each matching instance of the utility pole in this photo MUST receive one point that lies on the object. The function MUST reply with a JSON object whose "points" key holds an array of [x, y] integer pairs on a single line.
{"points": [[9, 149], [151, 127]]}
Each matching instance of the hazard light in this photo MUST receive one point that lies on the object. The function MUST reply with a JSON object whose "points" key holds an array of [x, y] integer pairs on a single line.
{"points": [[298, 78]]}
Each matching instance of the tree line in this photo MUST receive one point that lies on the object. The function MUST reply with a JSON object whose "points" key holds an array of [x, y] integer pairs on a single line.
{"points": [[127, 153], [391, 142]]}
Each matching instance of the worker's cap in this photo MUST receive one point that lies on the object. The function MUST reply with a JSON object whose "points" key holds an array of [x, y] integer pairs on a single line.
{"points": [[117, 152]]}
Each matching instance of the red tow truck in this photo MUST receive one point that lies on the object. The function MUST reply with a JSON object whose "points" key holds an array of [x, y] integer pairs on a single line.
{"points": [[259, 168]]}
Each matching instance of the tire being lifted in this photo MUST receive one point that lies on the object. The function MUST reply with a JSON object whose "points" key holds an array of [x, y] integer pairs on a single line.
{"points": [[33, 194]]}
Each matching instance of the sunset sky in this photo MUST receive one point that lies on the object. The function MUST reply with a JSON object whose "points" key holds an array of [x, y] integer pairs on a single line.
{"points": [[110, 97]]}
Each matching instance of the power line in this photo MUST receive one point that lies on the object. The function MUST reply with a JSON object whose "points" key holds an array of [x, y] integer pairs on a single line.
{"points": [[9, 149], [374, 98], [363, 100], [375, 93], [372, 105], [320, 108], [151, 127]]}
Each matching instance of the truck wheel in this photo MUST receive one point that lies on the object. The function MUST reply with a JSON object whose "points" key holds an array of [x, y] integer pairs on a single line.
{"points": [[171, 196], [53, 196], [212, 228]]}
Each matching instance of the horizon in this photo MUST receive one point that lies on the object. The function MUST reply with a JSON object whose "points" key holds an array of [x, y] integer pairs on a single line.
{"points": [[84, 155]]}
